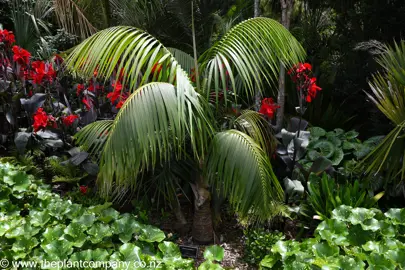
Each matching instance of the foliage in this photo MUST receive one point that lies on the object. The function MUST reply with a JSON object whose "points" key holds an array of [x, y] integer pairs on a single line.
{"points": [[258, 243], [183, 121], [387, 93], [351, 239], [38, 225], [212, 254], [342, 148], [325, 194]]}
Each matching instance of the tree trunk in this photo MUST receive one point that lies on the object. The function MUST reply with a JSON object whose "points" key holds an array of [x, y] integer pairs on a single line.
{"points": [[256, 10], [203, 231], [286, 12]]}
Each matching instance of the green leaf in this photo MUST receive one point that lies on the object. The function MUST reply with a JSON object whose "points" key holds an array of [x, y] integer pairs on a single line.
{"points": [[18, 180], [98, 231], [379, 261], [85, 220], [209, 266], [125, 227], [214, 253], [169, 249], [99, 254], [334, 231], [351, 135], [342, 213], [39, 218], [24, 245], [59, 248], [54, 233], [396, 215], [75, 231], [360, 215], [130, 252], [337, 157], [293, 187], [324, 250], [151, 234], [317, 132], [22, 230], [108, 215], [85, 256]]}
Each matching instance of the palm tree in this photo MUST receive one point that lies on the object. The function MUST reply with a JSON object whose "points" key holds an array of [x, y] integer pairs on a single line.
{"points": [[166, 118]]}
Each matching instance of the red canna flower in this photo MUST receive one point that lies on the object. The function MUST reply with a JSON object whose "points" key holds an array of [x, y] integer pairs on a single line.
{"points": [[87, 103], [69, 120], [268, 107], [79, 89], [21, 56], [7, 37], [40, 120], [83, 189], [301, 74]]}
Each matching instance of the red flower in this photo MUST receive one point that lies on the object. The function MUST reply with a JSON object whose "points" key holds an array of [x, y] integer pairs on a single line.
{"points": [[69, 120], [40, 120], [113, 96], [21, 56], [83, 189], [268, 107], [79, 89], [41, 70], [301, 74], [7, 37], [91, 86], [87, 103]]}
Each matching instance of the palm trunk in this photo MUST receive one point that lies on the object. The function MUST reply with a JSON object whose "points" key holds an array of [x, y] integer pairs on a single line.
{"points": [[258, 96], [286, 12], [203, 231], [106, 12]]}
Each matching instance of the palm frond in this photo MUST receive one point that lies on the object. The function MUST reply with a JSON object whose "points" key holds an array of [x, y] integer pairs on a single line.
{"points": [[253, 124], [153, 124], [71, 17], [241, 169], [252, 49], [387, 93], [127, 50], [185, 60]]}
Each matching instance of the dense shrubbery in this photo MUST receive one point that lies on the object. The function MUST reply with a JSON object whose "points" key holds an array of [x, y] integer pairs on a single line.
{"points": [[353, 238], [39, 225]]}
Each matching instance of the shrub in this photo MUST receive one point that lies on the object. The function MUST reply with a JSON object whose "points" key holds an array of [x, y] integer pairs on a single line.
{"points": [[38, 225], [258, 243], [354, 238]]}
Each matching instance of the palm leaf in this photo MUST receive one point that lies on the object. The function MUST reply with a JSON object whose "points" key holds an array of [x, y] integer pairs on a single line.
{"points": [[253, 50], [241, 169], [70, 15], [253, 124], [387, 93], [185, 60], [153, 124]]}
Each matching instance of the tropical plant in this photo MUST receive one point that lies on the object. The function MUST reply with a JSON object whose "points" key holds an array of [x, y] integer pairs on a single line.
{"points": [[212, 254], [387, 93], [343, 149], [258, 243], [38, 225], [165, 116], [325, 194], [351, 239]]}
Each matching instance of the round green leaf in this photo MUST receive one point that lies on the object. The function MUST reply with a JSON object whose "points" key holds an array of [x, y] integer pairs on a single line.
{"points": [[214, 253], [324, 250]]}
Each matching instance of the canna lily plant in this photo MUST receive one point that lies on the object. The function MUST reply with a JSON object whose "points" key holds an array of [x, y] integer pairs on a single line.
{"points": [[167, 120]]}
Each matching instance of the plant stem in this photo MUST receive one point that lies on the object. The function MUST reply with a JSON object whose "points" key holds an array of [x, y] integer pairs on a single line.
{"points": [[197, 75], [298, 132]]}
